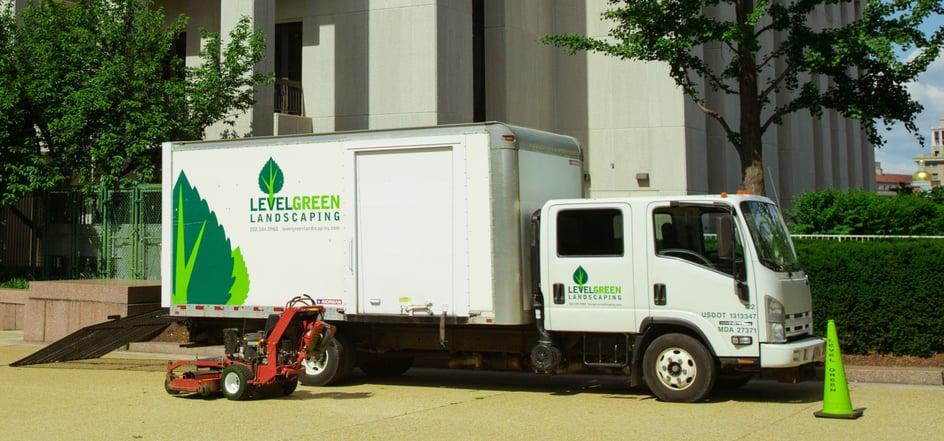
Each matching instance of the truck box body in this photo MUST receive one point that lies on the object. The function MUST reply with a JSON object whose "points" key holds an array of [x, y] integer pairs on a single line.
{"points": [[418, 222]]}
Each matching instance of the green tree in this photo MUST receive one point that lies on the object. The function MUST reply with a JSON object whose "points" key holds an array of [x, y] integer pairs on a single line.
{"points": [[89, 90], [864, 79], [20, 169]]}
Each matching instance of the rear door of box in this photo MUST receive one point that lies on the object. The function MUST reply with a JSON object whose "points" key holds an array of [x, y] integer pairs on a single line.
{"points": [[406, 254]]}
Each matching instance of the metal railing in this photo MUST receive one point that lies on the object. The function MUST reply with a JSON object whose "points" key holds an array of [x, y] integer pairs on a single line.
{"points": [[288, 97], [857, 237]]}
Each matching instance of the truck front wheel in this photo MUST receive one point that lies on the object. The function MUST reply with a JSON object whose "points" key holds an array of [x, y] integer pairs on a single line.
{"points": [[678, 368], [332, 366]]}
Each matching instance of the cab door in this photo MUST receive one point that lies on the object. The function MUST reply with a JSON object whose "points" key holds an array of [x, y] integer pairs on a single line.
{"points": [[698, 275], [589, 285]]}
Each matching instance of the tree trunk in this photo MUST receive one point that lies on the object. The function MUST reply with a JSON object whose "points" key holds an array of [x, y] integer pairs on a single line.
{"points": [[752, 169], [749, 147]]}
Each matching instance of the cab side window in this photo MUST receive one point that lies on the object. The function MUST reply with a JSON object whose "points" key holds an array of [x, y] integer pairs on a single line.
{"points": [[702, 235], [590, 232]]}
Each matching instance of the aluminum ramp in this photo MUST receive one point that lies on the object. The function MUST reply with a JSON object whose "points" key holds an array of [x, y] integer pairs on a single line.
{"points": [[97, 340]]}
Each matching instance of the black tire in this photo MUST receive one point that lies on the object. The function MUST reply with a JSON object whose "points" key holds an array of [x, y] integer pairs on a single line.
{"points": [[386, 367], [235, 382], [167, 387], [678, 368], [331, 367], [288, 387]]}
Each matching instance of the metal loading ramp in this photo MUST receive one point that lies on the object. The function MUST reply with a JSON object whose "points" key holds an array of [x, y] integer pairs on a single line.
{"points": [[97, 340]]}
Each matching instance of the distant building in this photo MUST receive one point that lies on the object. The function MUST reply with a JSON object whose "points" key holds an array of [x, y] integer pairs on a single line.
{"points": [[890, 184], [931, 166]]}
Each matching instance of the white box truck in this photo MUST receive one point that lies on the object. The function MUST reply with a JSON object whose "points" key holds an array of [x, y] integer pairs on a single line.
{"points": [[472, 242]]}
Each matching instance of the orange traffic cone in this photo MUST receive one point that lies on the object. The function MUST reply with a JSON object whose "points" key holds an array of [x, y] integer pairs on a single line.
{"points": [[836, 402]]}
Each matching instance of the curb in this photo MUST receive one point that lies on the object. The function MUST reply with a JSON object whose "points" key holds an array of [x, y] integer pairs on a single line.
{"points": [[895, 375], [175, 349]]}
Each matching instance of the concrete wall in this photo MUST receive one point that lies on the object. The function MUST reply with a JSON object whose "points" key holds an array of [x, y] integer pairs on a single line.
{"points": [[374, 65], [55, 309], [12, 308]]}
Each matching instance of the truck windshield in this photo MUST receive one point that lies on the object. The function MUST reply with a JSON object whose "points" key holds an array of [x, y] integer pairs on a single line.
{"points": [[770, 236]]}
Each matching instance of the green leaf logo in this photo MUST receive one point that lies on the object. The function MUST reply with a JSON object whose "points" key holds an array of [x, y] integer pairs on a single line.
{"points": [[271, 179], [206, 269], [580, 276], [240, 288]]}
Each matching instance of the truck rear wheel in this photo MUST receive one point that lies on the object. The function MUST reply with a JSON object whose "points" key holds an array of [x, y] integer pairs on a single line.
{"points": [[235, 382], [332, 366], [678, 368]]}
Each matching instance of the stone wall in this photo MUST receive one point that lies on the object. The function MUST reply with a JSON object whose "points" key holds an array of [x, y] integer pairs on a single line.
{"points": [[55, 309], [12, 308]]}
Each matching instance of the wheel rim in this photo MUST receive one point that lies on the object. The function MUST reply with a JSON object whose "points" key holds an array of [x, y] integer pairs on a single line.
{"points": [[676, 368], [231, 383], [315, 364]]}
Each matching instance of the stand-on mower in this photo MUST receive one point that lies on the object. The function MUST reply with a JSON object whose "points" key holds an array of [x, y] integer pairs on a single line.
{"points": [[271, 357]]}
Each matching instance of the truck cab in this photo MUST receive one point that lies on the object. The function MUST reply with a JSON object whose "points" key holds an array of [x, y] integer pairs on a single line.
{"points": [[702, 287]]}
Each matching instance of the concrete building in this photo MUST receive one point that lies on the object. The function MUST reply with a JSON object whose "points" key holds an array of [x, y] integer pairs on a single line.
{"points": [[372, 64], [932, 164]]}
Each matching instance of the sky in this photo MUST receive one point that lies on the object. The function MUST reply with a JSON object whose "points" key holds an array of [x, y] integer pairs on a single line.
{"points": [[900, 146]]}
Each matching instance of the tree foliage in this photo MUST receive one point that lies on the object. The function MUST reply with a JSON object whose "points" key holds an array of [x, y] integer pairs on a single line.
{"points": [[777, 61], [832, 211], [89, 91]]}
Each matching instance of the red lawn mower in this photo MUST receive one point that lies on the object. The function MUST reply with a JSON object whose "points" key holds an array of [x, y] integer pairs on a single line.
{"points": [[256, 359]]}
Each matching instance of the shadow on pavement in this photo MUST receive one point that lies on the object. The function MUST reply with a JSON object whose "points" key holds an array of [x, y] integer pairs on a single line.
{"points": [[615, 386]]}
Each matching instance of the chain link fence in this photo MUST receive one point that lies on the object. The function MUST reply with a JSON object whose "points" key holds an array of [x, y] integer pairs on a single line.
{"points": [[68, 235]]}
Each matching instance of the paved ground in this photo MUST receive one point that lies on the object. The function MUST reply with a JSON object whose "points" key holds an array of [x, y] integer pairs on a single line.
{"points": [[121, 397]]}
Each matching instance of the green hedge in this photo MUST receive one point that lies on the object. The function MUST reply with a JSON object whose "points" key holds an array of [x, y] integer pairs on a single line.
{"points": [[832, 211], [883, 295]]}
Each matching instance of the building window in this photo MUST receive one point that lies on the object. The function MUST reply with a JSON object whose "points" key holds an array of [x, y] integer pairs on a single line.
{"points": [[174, 61], [288, 68], [478, 60]]}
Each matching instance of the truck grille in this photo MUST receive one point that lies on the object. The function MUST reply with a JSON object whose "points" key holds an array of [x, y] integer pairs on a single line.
{"points": [[798, 325]]}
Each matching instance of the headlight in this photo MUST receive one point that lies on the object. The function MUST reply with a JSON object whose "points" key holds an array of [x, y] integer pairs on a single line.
{"points": [[775, 333], [775, 320]]}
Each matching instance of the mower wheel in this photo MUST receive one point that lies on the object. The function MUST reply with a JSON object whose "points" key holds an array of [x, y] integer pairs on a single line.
{"points": [[235, 382], [167, 387], [288, 387]]}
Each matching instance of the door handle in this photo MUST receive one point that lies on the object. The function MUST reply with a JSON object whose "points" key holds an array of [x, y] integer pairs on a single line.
{"points": [[558, 293], [658, 294]]}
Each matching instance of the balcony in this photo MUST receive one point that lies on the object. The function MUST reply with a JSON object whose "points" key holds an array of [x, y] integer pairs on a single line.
{"points": [[288, 97]]}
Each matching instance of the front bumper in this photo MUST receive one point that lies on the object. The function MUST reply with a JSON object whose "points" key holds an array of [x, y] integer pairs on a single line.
{"points": [[795, 353]]}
